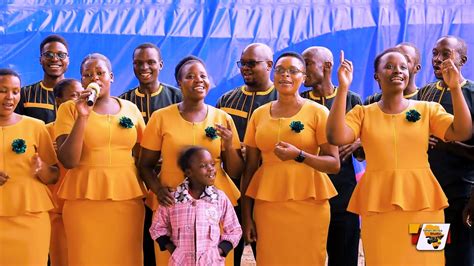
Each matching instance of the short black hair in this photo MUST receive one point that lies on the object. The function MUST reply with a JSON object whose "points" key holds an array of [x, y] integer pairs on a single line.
{"points": [[9, 72], [187, 60], [97, 56], [59, 88], [53, 38], [292, 54], [184, 158], [148, 45], [386, 51], [412, 45]]}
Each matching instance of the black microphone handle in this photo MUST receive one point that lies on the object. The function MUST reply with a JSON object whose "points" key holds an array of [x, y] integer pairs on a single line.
{"points": [[91, 99]]}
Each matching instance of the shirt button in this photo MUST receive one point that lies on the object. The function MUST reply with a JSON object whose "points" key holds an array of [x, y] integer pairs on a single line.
{"points": [[194, 203]]}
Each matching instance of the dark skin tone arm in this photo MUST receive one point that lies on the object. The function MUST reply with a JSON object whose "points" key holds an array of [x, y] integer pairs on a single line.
{"points": [[338, 132], [455, 147], [327, 161], [461, 127], [70, 146], [47, 174], [253, 161], [146, 166], [232, 158]]}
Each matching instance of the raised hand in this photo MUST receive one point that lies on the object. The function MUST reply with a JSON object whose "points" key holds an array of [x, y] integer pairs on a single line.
{"points": [[344, 72], [450, 72], [226, 135], [3, 178], [286, 151]]}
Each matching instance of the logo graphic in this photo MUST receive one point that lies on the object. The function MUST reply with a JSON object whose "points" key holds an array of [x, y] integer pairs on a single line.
{"points": [[429, 236]]}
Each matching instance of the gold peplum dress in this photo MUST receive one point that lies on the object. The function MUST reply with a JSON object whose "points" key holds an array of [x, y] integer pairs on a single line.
{"points": [[291, 208], [103, 211], [24, 200], [398, 187], [168, 132]]}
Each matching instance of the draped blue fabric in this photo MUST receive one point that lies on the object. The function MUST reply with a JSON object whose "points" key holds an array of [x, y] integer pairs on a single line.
{"points": [[217, 31]]}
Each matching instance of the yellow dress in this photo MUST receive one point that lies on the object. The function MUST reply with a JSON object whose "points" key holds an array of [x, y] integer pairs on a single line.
{"points": [[24, 199], [58, 243], [168, 132], [291, 209], [398, 187], [103, 211]]}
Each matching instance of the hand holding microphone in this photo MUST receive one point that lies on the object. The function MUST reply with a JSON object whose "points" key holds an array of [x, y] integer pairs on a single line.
{"points": [[95, 91]]}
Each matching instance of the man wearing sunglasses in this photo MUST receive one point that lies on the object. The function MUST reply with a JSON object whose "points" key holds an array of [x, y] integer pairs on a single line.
{"points": [[255, 66], [37, 100]]}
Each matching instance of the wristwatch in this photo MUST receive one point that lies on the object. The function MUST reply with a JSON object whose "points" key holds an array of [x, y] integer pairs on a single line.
{"points": [[300, 158]]}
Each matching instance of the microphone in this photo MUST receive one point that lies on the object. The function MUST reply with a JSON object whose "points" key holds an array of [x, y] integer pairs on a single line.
{"points": [[95, 91]]}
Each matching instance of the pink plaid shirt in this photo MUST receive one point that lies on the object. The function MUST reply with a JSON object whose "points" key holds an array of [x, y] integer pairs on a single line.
{"points": [[190, 219]]}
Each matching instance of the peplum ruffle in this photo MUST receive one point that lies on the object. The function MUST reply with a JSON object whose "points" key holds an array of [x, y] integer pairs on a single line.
{"points": [[289, 180], [406, 189], [102, 183], [18, 198]]}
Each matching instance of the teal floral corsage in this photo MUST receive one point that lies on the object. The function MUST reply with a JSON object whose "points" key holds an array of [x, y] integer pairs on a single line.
{"points": [[296, 126], [126, 122], [413, 115], [211, 132], [19, 146]]}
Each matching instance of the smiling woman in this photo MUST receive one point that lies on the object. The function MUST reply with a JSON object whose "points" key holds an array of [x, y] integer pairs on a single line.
{"points": [[289, 189], [398, 187], [27, 165], [96, 143], [189, 123]]}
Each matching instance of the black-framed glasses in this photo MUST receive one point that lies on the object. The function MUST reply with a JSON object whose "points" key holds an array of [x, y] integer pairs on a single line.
{"points": [[291, 70], [250, 64], [52, 55]]}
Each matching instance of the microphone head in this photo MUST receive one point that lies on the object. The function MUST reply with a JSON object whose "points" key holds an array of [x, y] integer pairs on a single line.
{"points": [[94, 86]]}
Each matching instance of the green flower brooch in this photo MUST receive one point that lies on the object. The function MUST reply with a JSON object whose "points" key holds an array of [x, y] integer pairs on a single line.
{"points": [[19, 146], [211, 132], [126, 122], [296, 126], [413, 115]]}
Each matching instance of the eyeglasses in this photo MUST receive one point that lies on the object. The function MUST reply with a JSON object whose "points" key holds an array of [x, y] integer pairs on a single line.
{"points": [[292, 71], [250, 64], [52, 55]]}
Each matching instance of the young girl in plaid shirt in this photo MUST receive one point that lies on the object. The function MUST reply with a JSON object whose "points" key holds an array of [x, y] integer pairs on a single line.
{"points": [[190, 228]]}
